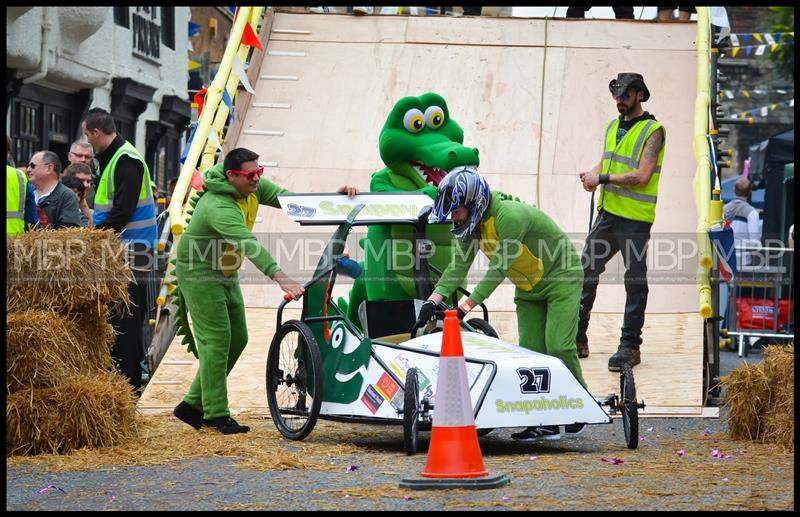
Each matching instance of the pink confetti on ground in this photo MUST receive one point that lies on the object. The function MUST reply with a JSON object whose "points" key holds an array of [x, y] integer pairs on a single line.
{"points": [[533, 458], [49, 488], [726, 479], [614, 461], [649, 429], [352, 468], [504, 498], [681, 453]]}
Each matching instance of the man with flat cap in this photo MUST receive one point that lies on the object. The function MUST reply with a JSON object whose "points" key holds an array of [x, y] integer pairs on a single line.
{"points": [[628, 176]]}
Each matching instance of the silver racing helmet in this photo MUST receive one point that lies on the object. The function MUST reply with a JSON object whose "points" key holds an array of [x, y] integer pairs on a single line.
{"points": [[462, 186]]}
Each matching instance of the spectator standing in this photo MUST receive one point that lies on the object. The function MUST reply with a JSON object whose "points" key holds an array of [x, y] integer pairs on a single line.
{"points": [[684, 13], [628, 171], [744, 220], [621, 12], [56, 205], [82, 152], [125, 204], [31, 218], [82, 174], [76, 185]]}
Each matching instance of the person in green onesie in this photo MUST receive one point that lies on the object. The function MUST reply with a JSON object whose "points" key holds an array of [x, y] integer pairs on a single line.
{"points": [[209, 254], [525, 245]]}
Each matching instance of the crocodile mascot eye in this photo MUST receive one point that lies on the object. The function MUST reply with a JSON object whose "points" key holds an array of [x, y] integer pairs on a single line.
{"points": [[337, 337], [414, 120], [434, 117]]}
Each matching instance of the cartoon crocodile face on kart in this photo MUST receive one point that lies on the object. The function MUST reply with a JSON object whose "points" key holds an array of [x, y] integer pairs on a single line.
{"points": [[420, 142], [344, 363]]}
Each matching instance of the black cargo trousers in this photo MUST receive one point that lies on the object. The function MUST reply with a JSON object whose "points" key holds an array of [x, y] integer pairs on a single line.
{"points": [[609, 235]]}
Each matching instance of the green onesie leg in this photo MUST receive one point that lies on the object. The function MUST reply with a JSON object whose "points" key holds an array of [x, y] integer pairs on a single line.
{"points": [[220, 341], [550, 326]]}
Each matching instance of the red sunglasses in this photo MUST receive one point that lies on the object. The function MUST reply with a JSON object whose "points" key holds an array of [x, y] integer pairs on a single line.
{"points": [[251, 175]]}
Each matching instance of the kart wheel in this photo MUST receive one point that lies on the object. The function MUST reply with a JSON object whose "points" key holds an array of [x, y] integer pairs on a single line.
{"points": [[411, 412], [629, 406], [294, 380], [483, 327]]}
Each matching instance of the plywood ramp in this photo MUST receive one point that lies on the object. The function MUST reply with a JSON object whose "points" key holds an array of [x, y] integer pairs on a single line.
{"points": [[532, 96], [669, 379]]}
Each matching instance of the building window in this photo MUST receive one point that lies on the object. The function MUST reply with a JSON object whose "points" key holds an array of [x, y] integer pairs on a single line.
{"points": [[168, 27], [27, 122], [121, 17], [42, 118]]}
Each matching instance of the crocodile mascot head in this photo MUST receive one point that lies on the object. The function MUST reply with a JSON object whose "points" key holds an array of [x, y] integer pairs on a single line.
{"points": [[420, 143]]}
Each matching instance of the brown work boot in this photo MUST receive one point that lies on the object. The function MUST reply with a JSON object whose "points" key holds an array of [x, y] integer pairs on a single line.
{"points": [[624, 354], [583, 348]]}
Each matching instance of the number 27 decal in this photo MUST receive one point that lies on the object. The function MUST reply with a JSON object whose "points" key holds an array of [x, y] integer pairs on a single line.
{"points": [[534, 380]]}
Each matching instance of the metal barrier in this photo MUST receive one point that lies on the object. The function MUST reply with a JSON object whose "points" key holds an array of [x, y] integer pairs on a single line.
{"points": [[760, 296]]}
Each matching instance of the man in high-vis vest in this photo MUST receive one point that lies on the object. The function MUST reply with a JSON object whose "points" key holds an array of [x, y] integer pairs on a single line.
{"points": [[628, 178], [124, 203], [524, 245], [16, 190], [22, 196]]}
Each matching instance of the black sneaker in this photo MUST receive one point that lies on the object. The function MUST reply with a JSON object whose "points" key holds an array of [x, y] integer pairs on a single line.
{"points": [[574, 428], [583, 348], [188, 414], [538, 433], [623, 355], [226, 425]]}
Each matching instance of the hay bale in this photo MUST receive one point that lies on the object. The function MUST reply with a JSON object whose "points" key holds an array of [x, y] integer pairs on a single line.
{"points": [[760, 399], [96, 336], [45, 349], [89, 411], [746, 394], [66, 270], [778, 426]]}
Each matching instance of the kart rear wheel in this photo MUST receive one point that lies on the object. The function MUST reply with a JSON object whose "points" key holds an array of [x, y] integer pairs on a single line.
{"points": [[411, 412], [629, 406], [294, 380], [483, 327]]}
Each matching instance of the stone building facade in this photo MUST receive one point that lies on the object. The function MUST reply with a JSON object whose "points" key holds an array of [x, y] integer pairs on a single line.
{"points": [[131, 61]]}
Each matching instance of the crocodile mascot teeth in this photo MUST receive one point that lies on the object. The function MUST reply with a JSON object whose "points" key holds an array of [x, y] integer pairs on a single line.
{"points": [[419, 144]]}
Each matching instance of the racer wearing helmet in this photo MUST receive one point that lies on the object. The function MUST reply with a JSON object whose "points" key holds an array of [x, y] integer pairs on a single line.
{"points": [[525, 245], [462, 187]]}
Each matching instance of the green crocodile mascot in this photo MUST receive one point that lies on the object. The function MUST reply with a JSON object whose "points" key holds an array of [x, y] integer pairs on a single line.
{"points": [[419, 144]]}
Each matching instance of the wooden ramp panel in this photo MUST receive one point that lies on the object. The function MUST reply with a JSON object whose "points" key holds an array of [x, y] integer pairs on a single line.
{"points": [[669, 379]]}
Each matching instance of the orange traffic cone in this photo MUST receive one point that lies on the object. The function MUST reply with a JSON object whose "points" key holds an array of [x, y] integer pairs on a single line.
{"points": [[454, 456]]}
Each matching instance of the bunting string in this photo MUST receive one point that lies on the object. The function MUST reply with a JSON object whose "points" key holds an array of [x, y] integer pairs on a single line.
{"points": [[755, 50], [738, 94], [763, 111], [745, 38]]}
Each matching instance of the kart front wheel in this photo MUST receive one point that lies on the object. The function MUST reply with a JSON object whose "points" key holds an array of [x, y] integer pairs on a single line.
{"points": [[629, 407], [483, 327], [294, 380], [411, 412]]}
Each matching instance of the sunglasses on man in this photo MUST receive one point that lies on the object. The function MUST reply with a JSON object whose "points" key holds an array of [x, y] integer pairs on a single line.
{"points": [[625, 96], [250, 175]]}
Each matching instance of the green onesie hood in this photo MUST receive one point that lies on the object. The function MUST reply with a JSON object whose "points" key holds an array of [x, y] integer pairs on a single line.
{"points": [[217, 182]]}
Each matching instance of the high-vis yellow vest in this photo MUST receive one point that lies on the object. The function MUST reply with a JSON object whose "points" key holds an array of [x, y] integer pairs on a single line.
{"points": [[639, 202], [16, 188], [142, 226]]}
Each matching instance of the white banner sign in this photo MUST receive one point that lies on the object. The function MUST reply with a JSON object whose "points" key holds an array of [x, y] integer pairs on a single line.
{"points": [[334, 208]]}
